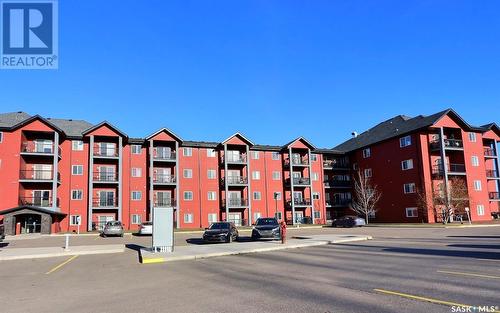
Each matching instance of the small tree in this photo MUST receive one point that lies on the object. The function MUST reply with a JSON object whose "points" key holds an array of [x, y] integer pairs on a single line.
{"points": [[366, 196]]}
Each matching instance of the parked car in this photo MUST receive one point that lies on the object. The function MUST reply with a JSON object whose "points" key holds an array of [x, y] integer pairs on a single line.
{"points": [[266, 228], [113, 228], [348, 221], [146, 228], [221, 232]]}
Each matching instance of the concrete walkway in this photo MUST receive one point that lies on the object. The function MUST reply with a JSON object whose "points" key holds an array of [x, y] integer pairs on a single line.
{"points": [[50, 252], [201, 251]]}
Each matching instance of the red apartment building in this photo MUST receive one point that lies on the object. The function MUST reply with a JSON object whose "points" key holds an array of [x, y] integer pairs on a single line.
{"points": [[57, 172]]}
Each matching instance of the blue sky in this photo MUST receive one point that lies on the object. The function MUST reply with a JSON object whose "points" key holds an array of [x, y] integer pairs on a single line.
{"points": [[273, 70]]}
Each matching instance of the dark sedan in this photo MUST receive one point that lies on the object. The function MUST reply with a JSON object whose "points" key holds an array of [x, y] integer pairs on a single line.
{"points": [[348, 221], [221, 232], [266, 228]]}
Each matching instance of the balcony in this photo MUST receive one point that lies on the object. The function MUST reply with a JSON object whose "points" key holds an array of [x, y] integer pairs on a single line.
{"points": [[338, 202], [489, 152], [453, 169], [166, 179], [106, 151], [105, 203], [298, 202], [235, 159], [164, 203], [335, 183], [164, 155], [38, 148], [37, 201], [492, 174], [105, 177], [494, 195], [449, 144], [235, 180], [37, 175], [297, 162], [335, 164], [299, 181], [235, 203]]}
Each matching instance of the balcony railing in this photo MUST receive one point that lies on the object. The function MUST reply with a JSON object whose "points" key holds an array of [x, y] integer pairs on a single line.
{"points": [[299, 202], [494, 195], [105, 177], [35, 147], [164, 203], [36, 175], [489, 152], [37, 201], [339, 202], [235, 180], [448, 144], [105, 151], [164, 178], [335, 164], [105, 203], [299, 181], [237, 159], [161, 155], [492, 174], [337, 183], [452, 168], [299, 162], [235, 202]]}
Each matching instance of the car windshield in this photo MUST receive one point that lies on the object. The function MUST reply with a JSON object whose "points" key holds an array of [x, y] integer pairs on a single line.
{"points": [[266, 221], [113, 224], [219, 226]]}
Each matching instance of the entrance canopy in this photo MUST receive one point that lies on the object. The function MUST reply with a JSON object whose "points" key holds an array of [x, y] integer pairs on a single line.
{"points": [[16, 215]]}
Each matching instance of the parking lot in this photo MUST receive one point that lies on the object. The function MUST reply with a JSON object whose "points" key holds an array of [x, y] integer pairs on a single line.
{"points": [[400, 270]]}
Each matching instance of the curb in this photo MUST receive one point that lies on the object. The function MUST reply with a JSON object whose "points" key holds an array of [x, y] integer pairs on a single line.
{"points": [[61, 254]]}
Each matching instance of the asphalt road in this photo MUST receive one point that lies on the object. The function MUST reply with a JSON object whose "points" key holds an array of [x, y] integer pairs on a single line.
{"points": [[448, 265]]}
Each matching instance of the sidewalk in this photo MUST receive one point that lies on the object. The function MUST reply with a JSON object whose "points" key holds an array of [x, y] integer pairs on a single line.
{"points": [[436, 225], [50, 252], [202, 251]]}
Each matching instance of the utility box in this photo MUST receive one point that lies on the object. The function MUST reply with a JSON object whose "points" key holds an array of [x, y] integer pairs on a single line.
{"points": [[163, 230]]}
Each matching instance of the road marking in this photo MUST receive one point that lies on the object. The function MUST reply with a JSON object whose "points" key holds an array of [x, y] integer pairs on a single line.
{"points": [[425, 299], [62, 264], [470, 274]]}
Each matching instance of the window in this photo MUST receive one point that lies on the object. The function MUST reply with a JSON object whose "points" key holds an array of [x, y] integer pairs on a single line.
{"points": [[405, 141], [77, 170], [368, 172], [136, 195], [477, 185], [315, 195], [276, 156], [1, 137], [256, 195], [407, 164], [314, 157], [277, 195], [409, 188], [480, 209], [136, 219], [212, 218], [211, 174], [355, 166], [472, 137], [475, 161], [136, 172], [255, 175], [211, 153], [315, 176], [136, 149], [212, 195], [74, 220], [188, 195], [278, 215], [76, 194], [77, 145], [188, 173], [187, 152], [256, 216], [276, 175], [317, 214], [367, 153], [188, 218], [411, 212], [255, 155]]}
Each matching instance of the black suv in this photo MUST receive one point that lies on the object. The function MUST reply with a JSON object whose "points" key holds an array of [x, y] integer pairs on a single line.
{"points": [[267, 227], [221, 232]]}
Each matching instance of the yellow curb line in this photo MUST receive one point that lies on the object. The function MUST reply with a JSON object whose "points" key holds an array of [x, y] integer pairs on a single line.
{"points": [[470, 274], [62, 264], [153, 260]]}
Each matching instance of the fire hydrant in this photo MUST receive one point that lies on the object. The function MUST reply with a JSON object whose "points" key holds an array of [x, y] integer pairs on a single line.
{"points": [[283, 232]]}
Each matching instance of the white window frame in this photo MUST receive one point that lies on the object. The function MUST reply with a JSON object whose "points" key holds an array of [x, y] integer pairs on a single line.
{"points": [[214, 174], [257, 195], [212, 196], [77, 145], [76, 167], [405, 141], [188, 218], [315, 176], [256, 175], [316, 196], [187, 152], [255, 155], [480, 209], [256, 215], [478, 185], [367, 152], [211, 153], [211, 219], [411, 188], [472, 137], [368, 172], [136, 172], [409, 164], [187, 193], [317, 214], [411, 212], [314, 157], [475, 161], [136, 149], [73, 220], [136, 195], [278, 195], [275, 155], [136, 219], [276, 175], [278, 215], [187, 173], [77, 192]]}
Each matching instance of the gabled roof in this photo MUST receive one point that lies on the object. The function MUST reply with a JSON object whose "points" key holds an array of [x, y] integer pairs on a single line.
{"points": [[37, 117], [72, 128], [104, 123], [33, 208], [397, 126], [241, 137], [491, 126], [8, 120], [310, 145], [168, 131]]}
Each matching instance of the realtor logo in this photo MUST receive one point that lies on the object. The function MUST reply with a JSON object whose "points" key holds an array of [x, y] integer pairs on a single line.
{"points": [[29, 34]]}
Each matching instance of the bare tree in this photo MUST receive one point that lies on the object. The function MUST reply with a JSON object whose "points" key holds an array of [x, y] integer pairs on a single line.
{"points": [[366, 196]]}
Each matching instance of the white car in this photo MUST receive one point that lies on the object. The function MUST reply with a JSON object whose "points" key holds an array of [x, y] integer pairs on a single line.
{"points": [[146, 228]]}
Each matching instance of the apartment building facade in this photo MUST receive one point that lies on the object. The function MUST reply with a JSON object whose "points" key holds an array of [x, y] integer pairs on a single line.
{"points": [[70, 175]]}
